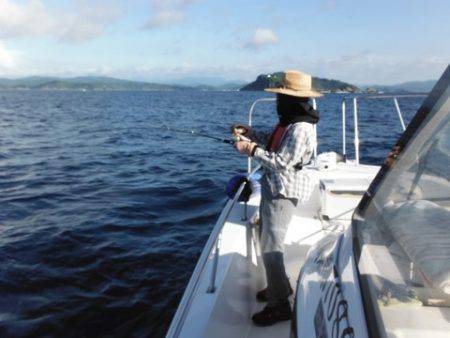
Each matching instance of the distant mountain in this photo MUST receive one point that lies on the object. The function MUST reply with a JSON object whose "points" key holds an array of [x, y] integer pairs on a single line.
{"points": [[29, 81], [224, 87], [407, 87], [102, 83], [83, 83], [325, 85], [210, 81], [263, 81]]}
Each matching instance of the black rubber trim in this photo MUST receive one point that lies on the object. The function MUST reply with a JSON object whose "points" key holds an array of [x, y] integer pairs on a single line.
{"points": [[375, 326], [294, 333]]}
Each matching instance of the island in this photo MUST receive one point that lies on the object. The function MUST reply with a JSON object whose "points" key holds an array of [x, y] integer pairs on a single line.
{"points": [[324, 85]]}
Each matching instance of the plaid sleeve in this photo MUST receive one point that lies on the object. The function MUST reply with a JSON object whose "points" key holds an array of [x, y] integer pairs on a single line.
{"points": [[289, 154]]}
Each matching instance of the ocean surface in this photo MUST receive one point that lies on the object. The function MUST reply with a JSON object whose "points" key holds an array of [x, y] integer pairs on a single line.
{"points": [[103, 213]]}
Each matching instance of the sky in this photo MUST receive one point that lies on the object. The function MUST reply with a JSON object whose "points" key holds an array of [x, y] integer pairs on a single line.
{"points": [[169, 41]]}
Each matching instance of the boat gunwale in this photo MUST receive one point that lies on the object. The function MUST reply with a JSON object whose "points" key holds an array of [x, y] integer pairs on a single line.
{"points": [[194, 282]]}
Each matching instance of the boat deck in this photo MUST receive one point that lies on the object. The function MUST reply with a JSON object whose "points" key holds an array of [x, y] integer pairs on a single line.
{"points": [[240, 273], [297, 245]]}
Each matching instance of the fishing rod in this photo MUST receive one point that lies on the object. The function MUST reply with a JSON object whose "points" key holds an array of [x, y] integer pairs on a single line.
{"points": [[199, 134]]}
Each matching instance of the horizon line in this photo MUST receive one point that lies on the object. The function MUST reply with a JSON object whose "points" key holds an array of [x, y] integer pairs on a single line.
{"points": [[175, 82]]}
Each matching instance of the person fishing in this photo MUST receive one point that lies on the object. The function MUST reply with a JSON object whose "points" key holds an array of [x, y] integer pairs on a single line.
{"points": [[284, 184]]}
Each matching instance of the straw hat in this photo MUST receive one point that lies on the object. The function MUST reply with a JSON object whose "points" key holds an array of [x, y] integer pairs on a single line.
{"points": [[295, 83]]}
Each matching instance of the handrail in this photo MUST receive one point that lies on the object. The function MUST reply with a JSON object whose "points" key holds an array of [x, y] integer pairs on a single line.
{"points": [[314, 105], [356, 132], [344, 145], [355, 116], [391, 96], [194, 282], [355, 120], [399, 112], [250, 115]]}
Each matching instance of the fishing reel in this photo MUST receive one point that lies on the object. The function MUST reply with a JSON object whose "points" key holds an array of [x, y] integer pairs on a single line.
{"points": [[236, 138], [240, 130]]}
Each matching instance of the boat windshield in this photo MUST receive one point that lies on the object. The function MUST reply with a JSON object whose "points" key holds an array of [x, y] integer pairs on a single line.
{"points": [[403, 234]]}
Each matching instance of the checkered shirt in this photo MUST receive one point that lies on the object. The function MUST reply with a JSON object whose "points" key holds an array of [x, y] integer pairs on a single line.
{"points": [[296, 148]]}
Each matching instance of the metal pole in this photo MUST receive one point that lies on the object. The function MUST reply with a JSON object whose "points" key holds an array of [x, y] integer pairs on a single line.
{"points": [[212, 282], [250, 114], [315, 133], [223, 218], [399, 112], [355, 121], [344, 146], [244, 216]]}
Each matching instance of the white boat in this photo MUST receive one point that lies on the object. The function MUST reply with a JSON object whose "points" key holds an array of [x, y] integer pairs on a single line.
{"points": [[380, 271]]}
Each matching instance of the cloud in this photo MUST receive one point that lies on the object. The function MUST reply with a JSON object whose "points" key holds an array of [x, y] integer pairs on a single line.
{"points": [[261, 37], [359, 68], [366, 67], [90, 20], [165, 18], [86, 20], [167, 13], [9, 60], [28, 19], [328, 5]]}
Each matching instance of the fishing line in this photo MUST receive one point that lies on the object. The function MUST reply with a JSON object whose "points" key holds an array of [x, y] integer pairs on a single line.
{"points": [[199, 134]]}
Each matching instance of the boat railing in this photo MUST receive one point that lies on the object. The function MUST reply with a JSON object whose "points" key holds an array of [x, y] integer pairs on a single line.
{"points": [[355, 117], [356, 139], [212, 247], [250, 117]]}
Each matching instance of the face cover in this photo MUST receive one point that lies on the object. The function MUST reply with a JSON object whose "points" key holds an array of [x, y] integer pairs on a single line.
{"points": [[293, 109]]}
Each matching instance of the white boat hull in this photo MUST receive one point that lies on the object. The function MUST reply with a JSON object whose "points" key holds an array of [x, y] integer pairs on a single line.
{"points": [[227, 311]]}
